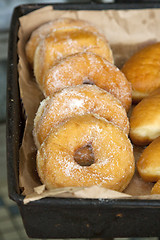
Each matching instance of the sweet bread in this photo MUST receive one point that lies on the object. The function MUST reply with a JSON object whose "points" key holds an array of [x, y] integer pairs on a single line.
{"points": [[142, 70], [156, 188], [145, 120], [88, 68], [60, 24], [58, 45], [148, 164], [113, 165], [78, 100]]}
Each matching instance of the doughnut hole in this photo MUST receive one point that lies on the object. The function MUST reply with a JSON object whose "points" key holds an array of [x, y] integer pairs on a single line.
{"points": [[84, 156], [88, 81]]}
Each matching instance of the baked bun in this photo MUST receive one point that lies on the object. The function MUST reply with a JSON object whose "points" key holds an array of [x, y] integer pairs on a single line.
{"points": [[142, 70], [148, 164], [145, 120], [156, 188], [60, 24], [88, 68], [58, 45], [78, 100], [113, 165]]}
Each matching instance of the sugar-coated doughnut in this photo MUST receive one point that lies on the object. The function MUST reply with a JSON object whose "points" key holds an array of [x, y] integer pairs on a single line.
{"points": [[58, 45], [90, 68], [113, 165], [148, 164], [156, 188], [142, 70], [78, 100], [145, 119], [60, 24]]}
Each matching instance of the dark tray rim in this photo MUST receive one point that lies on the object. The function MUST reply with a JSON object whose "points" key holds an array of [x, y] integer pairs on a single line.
{"points": [[91, 5], [15, 121]]}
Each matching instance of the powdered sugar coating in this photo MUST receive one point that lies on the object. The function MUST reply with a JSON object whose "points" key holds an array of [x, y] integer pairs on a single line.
{"points": [[114, 161], [78, 100], [90, 68], [58, 45], [60, 24]]}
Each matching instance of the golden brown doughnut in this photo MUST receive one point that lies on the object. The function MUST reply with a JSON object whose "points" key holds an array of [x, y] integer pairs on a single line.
{"points": [[148, 164], [78, 100], [113, 165], [90, 68], [145, 120], [58, 45], [156, 188], [142, 70], [60, 24]]}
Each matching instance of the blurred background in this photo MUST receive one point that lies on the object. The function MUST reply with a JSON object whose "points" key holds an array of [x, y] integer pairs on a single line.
{"points": [[11, 227]]}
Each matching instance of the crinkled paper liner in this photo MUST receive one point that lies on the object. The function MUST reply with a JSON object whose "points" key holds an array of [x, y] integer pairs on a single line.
{"points": [[127, 31]]}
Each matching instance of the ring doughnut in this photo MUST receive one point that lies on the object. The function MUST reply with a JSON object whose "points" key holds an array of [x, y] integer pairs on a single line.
{"points": [[142, 70], [148, 164], [113, 165], [78, 100], [58, 45], [60, 24], [145, 119], [88, 67]]}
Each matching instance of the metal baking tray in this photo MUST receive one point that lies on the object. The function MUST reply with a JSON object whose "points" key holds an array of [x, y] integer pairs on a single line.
{"points": [[62, 217]]}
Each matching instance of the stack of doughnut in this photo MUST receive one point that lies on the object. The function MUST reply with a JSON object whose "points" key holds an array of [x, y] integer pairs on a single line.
{"points": [[143, 71], [81, 127]]}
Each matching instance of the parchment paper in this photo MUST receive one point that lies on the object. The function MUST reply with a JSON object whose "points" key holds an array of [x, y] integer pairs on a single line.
{"points": [[127, 31]]}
